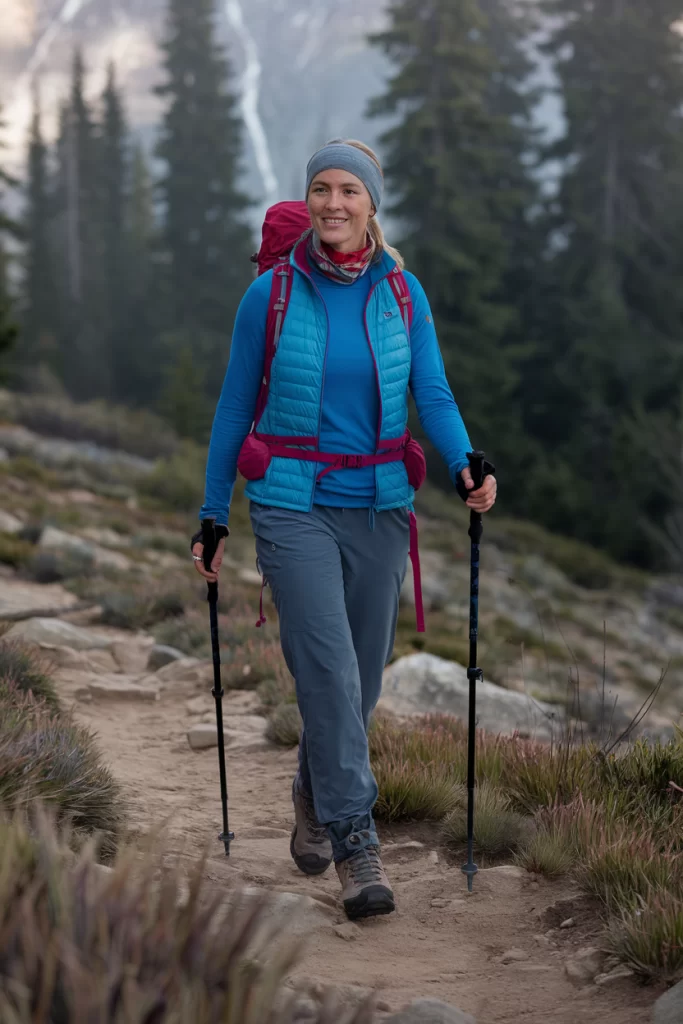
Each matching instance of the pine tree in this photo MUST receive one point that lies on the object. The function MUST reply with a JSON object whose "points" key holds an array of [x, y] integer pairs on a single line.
{"points": [[113, 155], [140, 376], [453, 161], [611, 329], [85, 357], [40, 320], [8, 326], [205, 230]]}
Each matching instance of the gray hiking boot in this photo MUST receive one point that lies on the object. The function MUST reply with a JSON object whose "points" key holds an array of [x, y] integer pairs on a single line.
{"points": [[310, 845], [365, 887]]}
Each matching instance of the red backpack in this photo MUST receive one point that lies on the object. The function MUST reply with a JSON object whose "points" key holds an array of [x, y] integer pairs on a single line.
{"points": [[283, 226]]}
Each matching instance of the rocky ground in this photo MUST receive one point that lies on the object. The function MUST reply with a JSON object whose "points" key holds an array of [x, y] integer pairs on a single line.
{"points": [[549, 611], [517, 949]]}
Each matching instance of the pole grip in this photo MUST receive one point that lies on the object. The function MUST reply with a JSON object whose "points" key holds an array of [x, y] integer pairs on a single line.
{"points": [[210, 542], [476, 460]]}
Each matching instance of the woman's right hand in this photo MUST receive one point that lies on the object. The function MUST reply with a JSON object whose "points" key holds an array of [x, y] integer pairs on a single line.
{"points": [[198, 553]]}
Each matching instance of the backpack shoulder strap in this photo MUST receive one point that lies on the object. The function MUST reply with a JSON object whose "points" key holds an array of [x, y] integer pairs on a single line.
{"points": [[278, 303], [403, 297]]}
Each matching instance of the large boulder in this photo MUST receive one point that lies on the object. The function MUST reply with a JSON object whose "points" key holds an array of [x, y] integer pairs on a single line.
{"points": [[23, 598], [669, 1007], [53, 539], [59, 633], [423, 683], [430, 1011]]}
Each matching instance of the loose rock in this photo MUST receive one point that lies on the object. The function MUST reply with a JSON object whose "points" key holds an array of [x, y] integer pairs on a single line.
{"points": [[514, 956], [349, 932], [669, 1007], [430, 1011], [569, 923], [118, 688], [621, 973], [398, 851], [161, 655], [57, 632], [9, 523], [584, 966]]}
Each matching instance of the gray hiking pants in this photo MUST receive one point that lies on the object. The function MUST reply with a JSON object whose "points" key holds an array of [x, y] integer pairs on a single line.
{"points": [[335, 576]]}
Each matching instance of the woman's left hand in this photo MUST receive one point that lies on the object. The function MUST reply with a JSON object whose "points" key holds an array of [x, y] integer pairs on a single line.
{"points": [[483, 499]]}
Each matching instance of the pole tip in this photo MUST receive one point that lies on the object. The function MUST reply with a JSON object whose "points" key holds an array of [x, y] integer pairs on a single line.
{"points": [[470, 870]]}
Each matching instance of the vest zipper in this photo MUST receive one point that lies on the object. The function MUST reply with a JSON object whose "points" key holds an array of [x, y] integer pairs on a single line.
{"points": [[379, 386], [322, 385]]}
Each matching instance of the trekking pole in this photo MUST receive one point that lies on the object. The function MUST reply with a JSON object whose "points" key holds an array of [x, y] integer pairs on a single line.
{"points": [[474, 674], [210, 544]]}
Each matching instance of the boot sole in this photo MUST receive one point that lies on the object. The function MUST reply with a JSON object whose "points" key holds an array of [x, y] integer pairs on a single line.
{"points": [[371, 902], [308, 863]]}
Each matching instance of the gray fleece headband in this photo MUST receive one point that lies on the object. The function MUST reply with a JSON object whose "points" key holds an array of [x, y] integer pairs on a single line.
{"points": [[341, 156]]}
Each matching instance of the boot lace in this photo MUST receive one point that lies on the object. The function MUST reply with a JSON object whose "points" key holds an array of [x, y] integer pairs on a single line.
{"points": [[365, 866], [316, 831]]}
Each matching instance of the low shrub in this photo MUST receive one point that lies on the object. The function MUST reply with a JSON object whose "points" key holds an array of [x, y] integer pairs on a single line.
{"points": [[23, 670], [136, 431], [58, 566], [624, 874], [14, 551], [649, 939], [498, 830], [177, 482], [189, 633], [45, 756], [137, 945], [546, 852], [127, 609], [413, 793], [284, 725]]}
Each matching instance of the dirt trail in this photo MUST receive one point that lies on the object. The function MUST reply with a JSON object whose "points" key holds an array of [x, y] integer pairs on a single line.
{"points": [[450, 952]]}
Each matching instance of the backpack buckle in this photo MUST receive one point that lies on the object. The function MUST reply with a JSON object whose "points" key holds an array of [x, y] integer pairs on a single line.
{"points": [[351, 461]]}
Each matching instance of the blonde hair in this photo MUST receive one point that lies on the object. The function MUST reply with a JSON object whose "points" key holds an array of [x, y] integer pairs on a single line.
{"points": [[374, 226]]}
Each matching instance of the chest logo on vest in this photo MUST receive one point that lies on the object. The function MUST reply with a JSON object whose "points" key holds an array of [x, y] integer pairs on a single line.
{"points": [[388, 314]]}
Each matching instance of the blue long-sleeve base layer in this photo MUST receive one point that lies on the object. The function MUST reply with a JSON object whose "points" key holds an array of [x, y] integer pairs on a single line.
{"points": [[350, 396]]}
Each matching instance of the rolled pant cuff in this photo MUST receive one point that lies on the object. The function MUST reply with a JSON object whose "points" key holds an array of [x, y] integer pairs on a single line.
{"points": [[348, 837]]}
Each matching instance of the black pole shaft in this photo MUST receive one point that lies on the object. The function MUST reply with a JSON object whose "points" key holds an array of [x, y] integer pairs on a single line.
{"points": [[210, 545], [473, 673], [226, 836]]}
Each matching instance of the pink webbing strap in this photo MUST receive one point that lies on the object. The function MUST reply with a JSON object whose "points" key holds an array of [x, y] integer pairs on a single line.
{"points": [[262, 619], [280, 292], [417, 575], [401, 290]]}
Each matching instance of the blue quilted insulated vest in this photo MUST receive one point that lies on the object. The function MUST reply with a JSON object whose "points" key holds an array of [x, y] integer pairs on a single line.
{"points": [[294, 407]]}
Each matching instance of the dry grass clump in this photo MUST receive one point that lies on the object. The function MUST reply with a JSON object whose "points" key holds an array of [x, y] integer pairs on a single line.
{"points": [[284, 725], [254, 662], [498, 830], [23, 670], [44, 756], [649, 939], [613, 818], [546, 853], [137, 945]]}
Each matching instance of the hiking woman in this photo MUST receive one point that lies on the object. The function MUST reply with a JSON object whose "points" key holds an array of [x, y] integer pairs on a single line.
{"points": [[323, 442]]}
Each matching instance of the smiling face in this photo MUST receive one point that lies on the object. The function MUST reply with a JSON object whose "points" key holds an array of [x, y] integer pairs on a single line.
{"points": [[340, 207]]}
